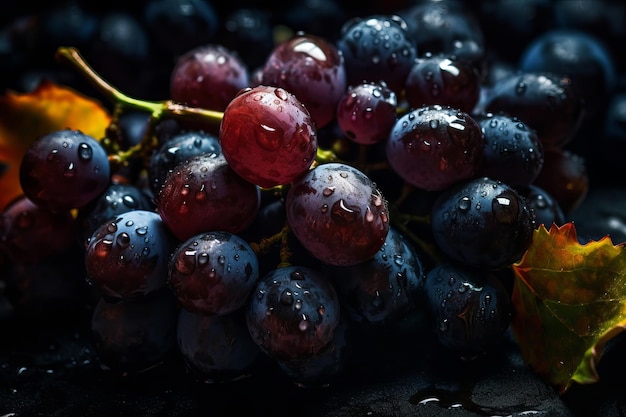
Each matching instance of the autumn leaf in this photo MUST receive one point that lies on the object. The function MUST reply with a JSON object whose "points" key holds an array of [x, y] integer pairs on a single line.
{"points": [[26, 117], [569, 300]]}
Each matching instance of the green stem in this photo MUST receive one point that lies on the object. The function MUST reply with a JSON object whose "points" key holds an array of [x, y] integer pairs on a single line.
{"points": [[157, 109]]}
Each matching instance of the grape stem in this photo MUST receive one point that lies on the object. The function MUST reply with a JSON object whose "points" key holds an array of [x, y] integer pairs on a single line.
{"points": [[265, 245], [158, 109]]}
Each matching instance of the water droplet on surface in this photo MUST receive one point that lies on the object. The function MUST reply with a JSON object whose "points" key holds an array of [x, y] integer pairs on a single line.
{"points": [[85, 152]]}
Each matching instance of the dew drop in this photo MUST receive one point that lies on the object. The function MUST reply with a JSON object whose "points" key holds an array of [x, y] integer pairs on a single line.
{"points": [[123, 240], [85, 152]]}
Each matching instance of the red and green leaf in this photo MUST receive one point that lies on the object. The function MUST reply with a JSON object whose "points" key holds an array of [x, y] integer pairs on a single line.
{"points": [[569, 300], [26, 117]]}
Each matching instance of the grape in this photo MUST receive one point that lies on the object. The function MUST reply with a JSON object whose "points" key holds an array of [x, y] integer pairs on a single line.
{"points": [[546, 209], [128, 257], [176, 150], [312, 69], [213, 273], [132, 335], [248, 29], [27, 229], [446, 27], [482, 223], [587, 62], [434, 147], [338, 214], [471, 309], [208, 76], [65, 169], [564, 176], [385, 288], [377, 48], [366, 112], [512, 153], [180, 25], [267, 136], [293, 313], [216, 348], [323, 368], [445, 80], [204, 194], [547, 103], [116, 199]]}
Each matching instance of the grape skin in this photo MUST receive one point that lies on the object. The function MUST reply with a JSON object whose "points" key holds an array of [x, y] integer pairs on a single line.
{"points": [[434, 147], [213, 273], [267, 136], [293, 313], [202, 194], [338, 214], [482, 223], [65, 169]]}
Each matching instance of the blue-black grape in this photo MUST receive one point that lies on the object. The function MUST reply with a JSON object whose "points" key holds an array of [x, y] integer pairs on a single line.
{"points": [[216, 348], [471, 308], [128, 256], [132, 335], [385, 288], [213, 273], [116, 199], [293, 313], [324, 367], [176, 150], [482, 222], [512, 152], [65, 169]]}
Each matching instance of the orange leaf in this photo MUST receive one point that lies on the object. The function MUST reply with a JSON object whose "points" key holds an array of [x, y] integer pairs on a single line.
{"points": [[569, 300], [27, 117]]}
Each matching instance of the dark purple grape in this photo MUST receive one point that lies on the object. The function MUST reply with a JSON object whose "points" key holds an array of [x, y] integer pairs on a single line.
{"points": [[177, 149], [366, 112], [180, 25], [547, 103], [293, 313], [385, 288], [445, 80], [64, 170], [116, 199], [208, 76], [434, 147], [268, 136], [213, 273], [311, 68], [471, 308], [512, 153], [122, 37], [30, 233], [446, 27], [204, 194], [564, 176], [248, 29], [130, 336], [588, 63], [216, 348], [483, 223], [546, 209], [338, 214], [377, 48], [322, 369], [128, 256]]}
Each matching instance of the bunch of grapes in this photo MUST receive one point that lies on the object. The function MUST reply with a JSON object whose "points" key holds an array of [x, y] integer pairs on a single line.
{"points": [[336, 188]]}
